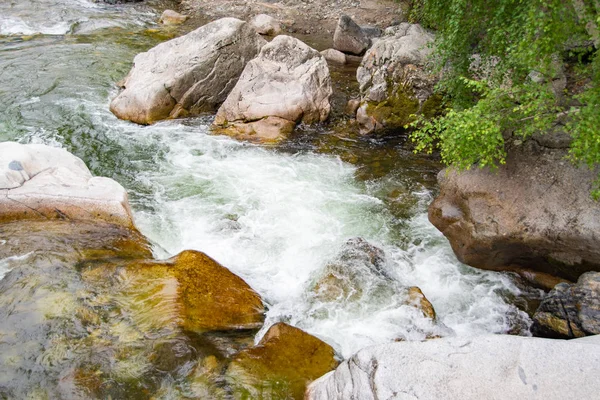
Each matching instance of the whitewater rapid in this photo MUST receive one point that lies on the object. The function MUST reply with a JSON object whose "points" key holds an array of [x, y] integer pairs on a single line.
{"points": [[274, 216]]}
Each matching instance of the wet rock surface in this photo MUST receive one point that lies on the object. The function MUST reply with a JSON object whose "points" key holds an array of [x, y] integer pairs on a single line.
{"points": [[535, 212], [281, 365], [188, 75], [394, 83], [485, 367], [205, 295], [570, 310], [286, 84]]}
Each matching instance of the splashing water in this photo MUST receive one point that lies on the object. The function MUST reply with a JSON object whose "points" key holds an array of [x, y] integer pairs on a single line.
{"points": [[277, 217]]}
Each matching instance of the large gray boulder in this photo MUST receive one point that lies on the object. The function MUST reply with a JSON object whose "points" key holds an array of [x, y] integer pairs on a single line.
{"points": [[349, 37], [534, 212], [393, 81], [188, 75], [42, 183], [485, 367], [570, 311], [286, 84]]}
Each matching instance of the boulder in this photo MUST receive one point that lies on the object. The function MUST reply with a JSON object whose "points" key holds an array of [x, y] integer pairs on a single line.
{"points": [[355, 273], [334, 55], [535, 212], [170, 17], [393, 82], [349, 37], [39, 182], [187, 75], [190, 290], [286, 84], [570, 311], [484, 367], [281, 365], [265, 25]]}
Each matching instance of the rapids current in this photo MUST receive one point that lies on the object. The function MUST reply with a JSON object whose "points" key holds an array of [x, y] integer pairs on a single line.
{"points": [[276, 216]]}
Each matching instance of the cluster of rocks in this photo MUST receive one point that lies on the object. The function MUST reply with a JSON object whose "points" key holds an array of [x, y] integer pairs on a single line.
{"points": [[532, 216], [82, 226], [262, 91]]}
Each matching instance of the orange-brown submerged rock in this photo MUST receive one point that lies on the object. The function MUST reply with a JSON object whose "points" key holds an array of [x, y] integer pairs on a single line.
{"points": [[190, 289], [76, 240], [285, 361], [417, 299]]}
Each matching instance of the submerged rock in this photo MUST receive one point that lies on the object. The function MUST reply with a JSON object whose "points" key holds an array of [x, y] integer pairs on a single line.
{"points": [[535, 212], [265, 25], [188, 75], [393, 82], [286, 84], [484, 367], [281, 365], [349, 37], [570, 311], [170, 17], [191, 290], [39, 182]]}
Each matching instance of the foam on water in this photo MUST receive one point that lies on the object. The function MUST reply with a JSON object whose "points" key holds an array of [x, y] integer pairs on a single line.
{"points": [[275, 218], [278, 219]]}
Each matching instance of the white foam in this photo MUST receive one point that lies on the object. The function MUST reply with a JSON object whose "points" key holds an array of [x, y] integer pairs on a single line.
{"points": [[277, 219]]}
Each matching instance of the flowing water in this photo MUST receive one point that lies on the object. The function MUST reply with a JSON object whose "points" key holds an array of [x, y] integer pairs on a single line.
{"points": [[280, 217]]}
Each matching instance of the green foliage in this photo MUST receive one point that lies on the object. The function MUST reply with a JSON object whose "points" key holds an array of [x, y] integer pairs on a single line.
{"points": [[506, 90]]}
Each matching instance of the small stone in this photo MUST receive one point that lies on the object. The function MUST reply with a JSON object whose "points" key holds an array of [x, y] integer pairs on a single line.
{"points": [[418, 300], [352, 107], [266, 25], [334, 55], [170, 17]]}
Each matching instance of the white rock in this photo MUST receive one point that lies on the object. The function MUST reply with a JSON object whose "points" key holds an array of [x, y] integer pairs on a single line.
{"points": [[187, 75], [42, 182], [286, 84], [485, 367], [170, 17], [265, 25], [334, 55]]}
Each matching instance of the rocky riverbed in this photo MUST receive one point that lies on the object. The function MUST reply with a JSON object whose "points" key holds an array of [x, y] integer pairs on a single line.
{"points": [[186, 264]]}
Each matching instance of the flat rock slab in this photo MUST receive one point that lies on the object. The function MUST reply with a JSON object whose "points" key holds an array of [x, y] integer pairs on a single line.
{"points": [[43, 182], [485, 367], [188, 75]]}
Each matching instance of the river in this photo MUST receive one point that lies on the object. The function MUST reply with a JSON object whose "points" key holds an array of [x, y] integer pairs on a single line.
{"points": [[277, 216]]}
